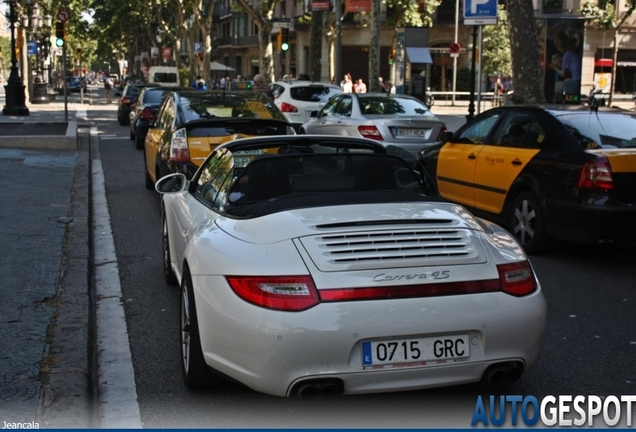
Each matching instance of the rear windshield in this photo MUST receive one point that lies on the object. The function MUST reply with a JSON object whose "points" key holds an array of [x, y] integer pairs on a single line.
{"points": [[165, 77], [155, 97], [306, 179], [313, 93], [607, 130], [381, 105], [230, 106]]}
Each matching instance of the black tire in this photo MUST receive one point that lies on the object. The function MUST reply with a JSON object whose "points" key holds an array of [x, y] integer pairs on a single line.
{"points": [[132, 136], [196, 373], [168, 274], [139, 143], [527, 224]]}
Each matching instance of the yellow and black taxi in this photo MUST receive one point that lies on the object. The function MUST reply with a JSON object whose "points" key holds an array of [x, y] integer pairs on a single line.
{"points": [[564, 173], [190, 124]]}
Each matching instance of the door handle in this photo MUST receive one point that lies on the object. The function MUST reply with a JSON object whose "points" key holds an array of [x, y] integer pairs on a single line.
{"points": [[472, 156], [516, 162]]}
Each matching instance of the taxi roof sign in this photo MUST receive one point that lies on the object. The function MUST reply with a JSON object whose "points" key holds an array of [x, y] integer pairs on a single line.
{"points": [[240, 85]]}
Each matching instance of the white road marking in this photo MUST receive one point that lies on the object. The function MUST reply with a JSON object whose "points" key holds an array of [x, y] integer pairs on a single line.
{"points": [[118, 406]]}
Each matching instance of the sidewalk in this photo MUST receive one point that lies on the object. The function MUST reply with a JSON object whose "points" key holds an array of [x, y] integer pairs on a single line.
{"points": [[45, 300]]}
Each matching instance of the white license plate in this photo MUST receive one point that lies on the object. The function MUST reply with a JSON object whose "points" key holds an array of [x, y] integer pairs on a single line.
{"points": [[415, 133], [415, 352], [241, 162]]}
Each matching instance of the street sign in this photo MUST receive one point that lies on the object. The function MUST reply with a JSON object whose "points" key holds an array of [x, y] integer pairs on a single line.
{"points": [[480, 12], [32, 47], [198, 47], [63, 15]]}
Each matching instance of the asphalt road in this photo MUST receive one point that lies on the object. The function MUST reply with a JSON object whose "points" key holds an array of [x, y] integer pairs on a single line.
{"points": [[589, 348]]}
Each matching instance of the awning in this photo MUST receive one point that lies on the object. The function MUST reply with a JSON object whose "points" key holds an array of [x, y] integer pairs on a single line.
{"points": [[603, 62], [418, 55]]}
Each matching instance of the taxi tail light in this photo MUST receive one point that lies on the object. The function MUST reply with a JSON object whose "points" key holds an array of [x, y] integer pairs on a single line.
{"points": [[596, 174], [285, 107], [179, 147], [147, 114], [441, 131], [371, 132], [284, 293], [517, 279]]}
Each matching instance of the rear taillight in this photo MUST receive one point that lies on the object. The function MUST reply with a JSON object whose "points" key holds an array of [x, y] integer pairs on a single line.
{"points": [[596, 174], [179, 147], [517, 279], [285, 107], [285, 293], [126, 100], [441, 131], [147, 114], [371, 132]]}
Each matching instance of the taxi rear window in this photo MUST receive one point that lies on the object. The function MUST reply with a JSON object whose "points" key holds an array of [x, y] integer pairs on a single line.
{"points": [[231, 108], [313, 93]]}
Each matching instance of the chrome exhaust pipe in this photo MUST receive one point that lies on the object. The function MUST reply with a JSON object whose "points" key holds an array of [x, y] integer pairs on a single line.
{"points": [[307, 391], [330, 390], [513, 372]]}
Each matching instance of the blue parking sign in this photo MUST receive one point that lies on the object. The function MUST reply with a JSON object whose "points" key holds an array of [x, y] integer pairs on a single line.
{"points": [[32, 47], [480, 12], [198, 47]]}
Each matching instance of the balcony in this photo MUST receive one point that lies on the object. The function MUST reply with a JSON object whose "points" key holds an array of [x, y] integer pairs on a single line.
{"points": [[248, 40], [225, 41]]}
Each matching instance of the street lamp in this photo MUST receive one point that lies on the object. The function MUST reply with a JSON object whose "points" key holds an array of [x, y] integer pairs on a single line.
{"points": [[14, 89], [41, 31]]}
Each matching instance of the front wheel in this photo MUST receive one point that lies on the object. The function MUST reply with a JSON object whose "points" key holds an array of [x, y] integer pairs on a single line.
{"points": [[527, 223], [196, 373], [429, 101]]}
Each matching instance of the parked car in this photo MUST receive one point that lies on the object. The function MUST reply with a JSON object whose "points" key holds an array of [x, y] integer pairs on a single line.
{"points": [[74, 85], [164, 75], [547, 173], [317, 265], [143, 111], [190, 124], [395, 119], [128, 97], [297, 99]]}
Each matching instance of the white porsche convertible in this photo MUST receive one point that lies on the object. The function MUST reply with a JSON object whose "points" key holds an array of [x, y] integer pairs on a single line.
{"points": [[319, 265]]}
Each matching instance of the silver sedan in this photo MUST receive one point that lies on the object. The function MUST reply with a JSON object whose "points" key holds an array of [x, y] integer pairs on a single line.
{"points": [[400, 120]]}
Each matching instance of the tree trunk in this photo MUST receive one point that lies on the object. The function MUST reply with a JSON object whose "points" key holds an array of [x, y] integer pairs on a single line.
{"points": [[266, 51], [524, 47], [374, 47], [315, 48]]}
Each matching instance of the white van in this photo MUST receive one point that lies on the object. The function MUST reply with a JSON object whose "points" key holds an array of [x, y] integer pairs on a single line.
{"points": [[167, 76]]}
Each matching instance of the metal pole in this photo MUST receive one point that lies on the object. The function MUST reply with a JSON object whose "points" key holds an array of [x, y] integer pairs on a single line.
{"points": [[471, 105], [455, 59], [479, 79], [337, 58], [65, 83]]}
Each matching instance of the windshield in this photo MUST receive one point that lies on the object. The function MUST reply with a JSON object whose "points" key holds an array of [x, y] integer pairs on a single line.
{"points": [[604, 129]]}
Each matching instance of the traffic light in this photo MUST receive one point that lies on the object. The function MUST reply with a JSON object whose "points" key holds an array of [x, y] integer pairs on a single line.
{"points": [[284, 39], [59, 33], [391, 57]]}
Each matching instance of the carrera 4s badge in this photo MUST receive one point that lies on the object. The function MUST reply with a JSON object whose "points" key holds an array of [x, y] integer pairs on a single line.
{"points": [[387, 277]]}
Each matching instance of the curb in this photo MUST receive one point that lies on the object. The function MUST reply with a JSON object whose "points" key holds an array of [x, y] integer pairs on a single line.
{"points": [[66, 399], [50, 142]]}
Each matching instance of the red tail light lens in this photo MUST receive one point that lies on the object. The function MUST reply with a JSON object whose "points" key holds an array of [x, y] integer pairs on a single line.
{"points": [[517, 279], [126, 100], [370, 132], [285, 107], [147, 114], [179, 147], [596, 175], [289, 293]]}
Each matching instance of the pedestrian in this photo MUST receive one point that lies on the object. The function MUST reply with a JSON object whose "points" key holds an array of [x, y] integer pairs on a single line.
{"points": [[499, 91], [346, 85], [108, 85], [262, 87], [361, 87]]}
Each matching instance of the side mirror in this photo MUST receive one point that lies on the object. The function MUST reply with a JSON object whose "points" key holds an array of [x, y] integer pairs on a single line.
{"points": [[172, 183], [445, 136]]}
